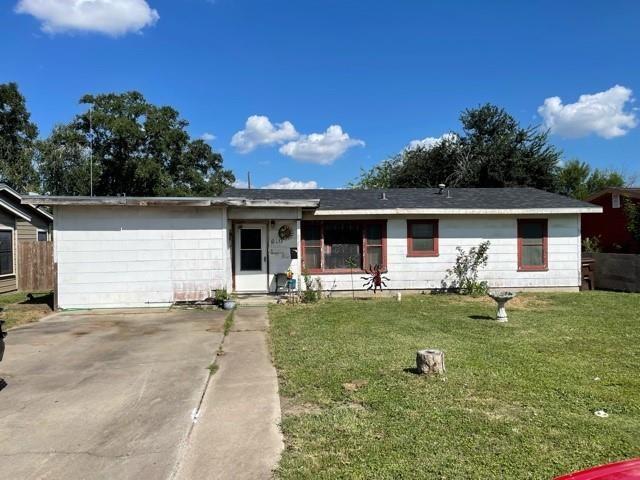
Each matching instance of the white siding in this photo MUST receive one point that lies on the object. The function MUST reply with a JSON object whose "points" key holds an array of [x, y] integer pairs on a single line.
{"points": [[138, 256], [280, 251], [468, 231]]}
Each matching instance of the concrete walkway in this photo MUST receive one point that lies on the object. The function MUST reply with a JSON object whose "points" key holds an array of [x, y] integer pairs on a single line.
{"points": [[236, 435]]}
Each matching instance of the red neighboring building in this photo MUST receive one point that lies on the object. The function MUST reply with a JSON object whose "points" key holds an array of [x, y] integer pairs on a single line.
{"points": [[611, 225]]}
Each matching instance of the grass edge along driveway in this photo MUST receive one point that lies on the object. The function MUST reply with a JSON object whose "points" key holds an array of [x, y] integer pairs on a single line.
{"points": [[517, 401]]}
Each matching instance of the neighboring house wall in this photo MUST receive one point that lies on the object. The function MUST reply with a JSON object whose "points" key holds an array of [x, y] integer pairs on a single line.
{"points": [[28, 232], [8, 283], [469, 231], [138, 256], [610, 225]]}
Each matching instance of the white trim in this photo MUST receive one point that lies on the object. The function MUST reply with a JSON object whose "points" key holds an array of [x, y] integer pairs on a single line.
{"points": [[46, 232], [460, 211], [14, 253], [11, 191], [15, 211], [43, 212]]}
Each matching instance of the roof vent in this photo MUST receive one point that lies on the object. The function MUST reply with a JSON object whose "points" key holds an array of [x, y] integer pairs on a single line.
{"points": [[441, 187], [383, 196]]}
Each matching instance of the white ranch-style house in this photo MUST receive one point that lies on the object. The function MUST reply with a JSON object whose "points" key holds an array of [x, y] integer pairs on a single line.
{"points": [[148, 252]]}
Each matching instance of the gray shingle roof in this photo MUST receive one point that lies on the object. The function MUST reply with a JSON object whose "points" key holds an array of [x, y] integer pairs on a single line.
{"points": [[458, 198]]}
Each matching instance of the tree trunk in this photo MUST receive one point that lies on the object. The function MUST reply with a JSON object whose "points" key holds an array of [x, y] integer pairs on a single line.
{"points": [[430, 361]]}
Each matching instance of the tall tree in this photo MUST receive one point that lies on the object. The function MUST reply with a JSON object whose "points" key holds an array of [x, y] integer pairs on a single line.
{"points": [[137, 149], [576, 179], [17, 136], [492, 150], [64, 160]]}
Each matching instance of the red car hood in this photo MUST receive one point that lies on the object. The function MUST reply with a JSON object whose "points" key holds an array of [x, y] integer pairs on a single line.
{"points": [[627, 470]]}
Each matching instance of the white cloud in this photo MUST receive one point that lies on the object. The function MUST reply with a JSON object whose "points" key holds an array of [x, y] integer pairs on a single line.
{"points": [[259, 130], [112, 17], [208, 137], [322, 148], [430, 142], [601, 113], [285, 183]]}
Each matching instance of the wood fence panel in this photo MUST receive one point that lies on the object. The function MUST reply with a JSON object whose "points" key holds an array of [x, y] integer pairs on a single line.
{"points": [[35, 266], [617, 271]]}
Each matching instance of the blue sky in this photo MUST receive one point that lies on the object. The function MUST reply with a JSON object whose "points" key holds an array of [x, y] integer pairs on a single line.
{"points": [[381, 73]]}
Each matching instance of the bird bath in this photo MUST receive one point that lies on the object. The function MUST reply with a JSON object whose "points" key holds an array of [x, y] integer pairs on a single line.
{"points": [[501, 298]]}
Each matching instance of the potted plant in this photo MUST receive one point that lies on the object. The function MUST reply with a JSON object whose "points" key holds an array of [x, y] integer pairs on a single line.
{"points": [[222, 299]]}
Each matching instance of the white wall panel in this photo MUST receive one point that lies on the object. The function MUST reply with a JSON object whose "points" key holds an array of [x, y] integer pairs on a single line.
{"points": [[469, 231], [138, 256]]}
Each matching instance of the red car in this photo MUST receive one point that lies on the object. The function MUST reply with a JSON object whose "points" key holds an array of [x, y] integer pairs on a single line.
{"points": [[627, 470]]}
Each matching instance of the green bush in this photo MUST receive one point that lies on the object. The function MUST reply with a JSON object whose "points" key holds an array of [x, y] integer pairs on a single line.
{"points": [[220, 296], [313, 289], [465, 270]]}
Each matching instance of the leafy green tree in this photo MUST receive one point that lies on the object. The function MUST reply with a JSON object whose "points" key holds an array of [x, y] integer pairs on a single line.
{"points": [[576, 179], [492, 150], [138, 149], [17, 136], [64, 160], [632, 212]]}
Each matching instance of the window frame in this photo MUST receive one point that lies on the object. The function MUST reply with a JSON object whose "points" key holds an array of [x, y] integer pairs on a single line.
{"points": [[364, 243], [46, 233], [411, 252], [13, 252], [545, 245]]}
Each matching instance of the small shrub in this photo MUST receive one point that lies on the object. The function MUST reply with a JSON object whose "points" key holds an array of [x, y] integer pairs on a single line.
{"points": [[220, 296], [311, 293], [465, 270], [591, 244]]}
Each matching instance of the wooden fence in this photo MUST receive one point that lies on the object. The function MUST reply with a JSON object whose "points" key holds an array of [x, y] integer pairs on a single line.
{"points": [[617, 271], [35, 266]]}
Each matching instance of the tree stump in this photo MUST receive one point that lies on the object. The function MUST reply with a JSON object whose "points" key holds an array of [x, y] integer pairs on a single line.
{"points": [[430, 362]]}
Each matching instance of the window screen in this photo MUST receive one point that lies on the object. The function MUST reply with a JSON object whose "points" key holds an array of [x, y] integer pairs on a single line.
{"points": [[422, 237], [532, 238]]}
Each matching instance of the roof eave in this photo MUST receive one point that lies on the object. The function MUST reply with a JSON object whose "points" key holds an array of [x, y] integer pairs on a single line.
{"points": [[461, 211], [624, 191], [38, 200]]}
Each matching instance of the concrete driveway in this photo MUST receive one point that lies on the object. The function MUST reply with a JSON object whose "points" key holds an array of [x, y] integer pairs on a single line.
{"points": [[103, 395]]}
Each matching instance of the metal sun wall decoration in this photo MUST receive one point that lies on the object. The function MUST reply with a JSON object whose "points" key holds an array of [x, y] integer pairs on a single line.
{"points": [[375, 279], [284, 232]]}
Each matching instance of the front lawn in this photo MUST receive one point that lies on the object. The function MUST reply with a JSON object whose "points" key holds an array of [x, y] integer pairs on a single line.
{"points": [[19, 308], [517, 400]]}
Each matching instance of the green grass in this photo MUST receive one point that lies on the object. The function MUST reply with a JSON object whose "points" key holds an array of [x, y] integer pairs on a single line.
{"points": [[228, 323], [19, 309], [517, 400]]}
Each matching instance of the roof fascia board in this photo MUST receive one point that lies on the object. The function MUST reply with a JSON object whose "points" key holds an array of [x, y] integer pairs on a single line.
{"points": [[461, 211], [625, 192], [245, 202], [121, 201], [11, 191], [15, 211], [43, 212], [166, 201]]}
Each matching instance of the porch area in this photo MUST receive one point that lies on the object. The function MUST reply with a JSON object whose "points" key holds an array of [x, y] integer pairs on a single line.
{"points": [[264, 245]]}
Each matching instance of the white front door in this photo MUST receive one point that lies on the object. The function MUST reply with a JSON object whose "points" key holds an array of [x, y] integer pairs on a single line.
{"points": [[251, 258]]}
